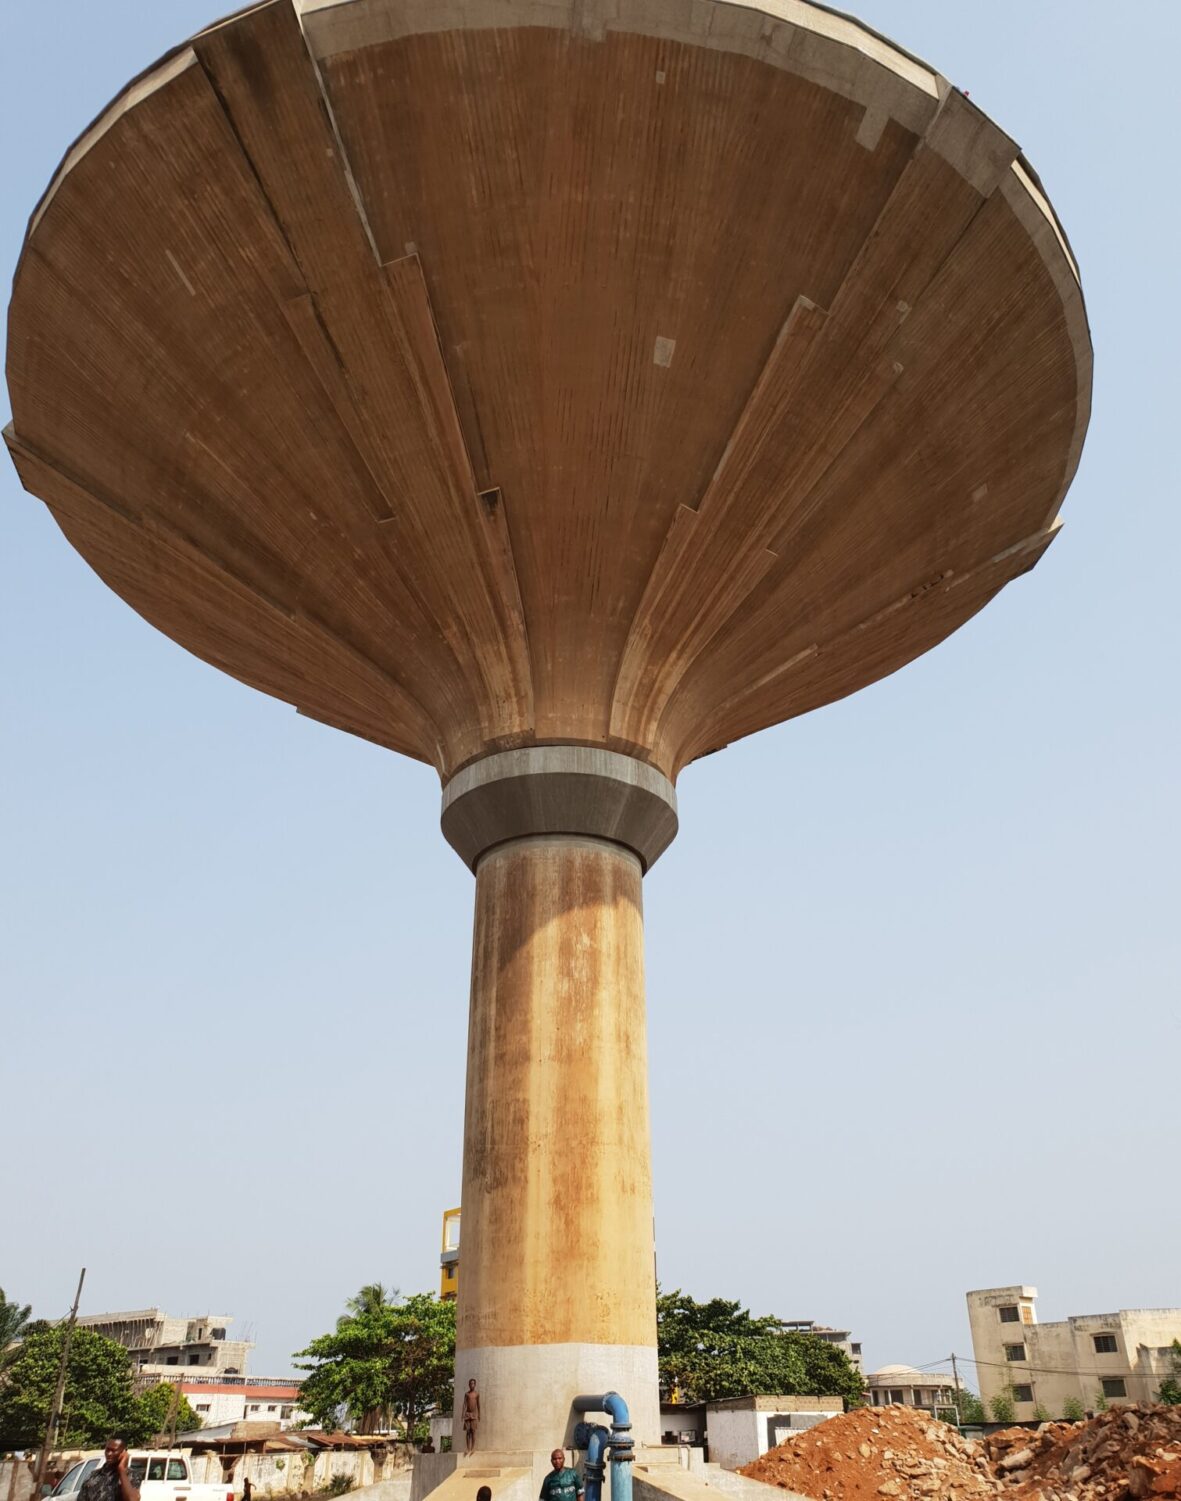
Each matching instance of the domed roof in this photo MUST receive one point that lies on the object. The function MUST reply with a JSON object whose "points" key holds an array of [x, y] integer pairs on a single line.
{"points": [[615, 372]]}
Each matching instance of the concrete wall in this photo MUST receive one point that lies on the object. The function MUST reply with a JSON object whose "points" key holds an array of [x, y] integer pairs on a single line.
{"points": [[735, 1436], [21, 1481], [294, 1472], [739, 1431]]}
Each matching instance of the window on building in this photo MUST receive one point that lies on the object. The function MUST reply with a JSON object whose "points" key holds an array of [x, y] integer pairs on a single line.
{"points": [[217, 1334], [856, 1349], [896, 1395], [1113, 1386], [194, 1358], [285, 1413], [173, 1360], [1023, 1394], [252, 1407], [1105, 1344], [1010, 1313], [272, 1407], [202, 1406], [1014, 1352]]}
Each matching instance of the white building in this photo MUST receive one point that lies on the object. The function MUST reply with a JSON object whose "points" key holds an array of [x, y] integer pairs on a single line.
{"points": [[1088, 1360], [738, 1430], [243, 1399], [902, 1385]]}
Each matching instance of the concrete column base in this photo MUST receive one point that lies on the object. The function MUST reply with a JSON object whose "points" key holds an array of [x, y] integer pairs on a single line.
{"points": [[517, 1475], [526, 1391]]}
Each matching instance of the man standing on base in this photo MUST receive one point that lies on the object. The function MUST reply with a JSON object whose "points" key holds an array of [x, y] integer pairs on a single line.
{"points": [[562, 1483], [113, 1482]]}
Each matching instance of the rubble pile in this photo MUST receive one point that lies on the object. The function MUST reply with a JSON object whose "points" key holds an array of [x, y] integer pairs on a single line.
{"points": [[879, 1453], [1127, 1454], [1131, 1453]]}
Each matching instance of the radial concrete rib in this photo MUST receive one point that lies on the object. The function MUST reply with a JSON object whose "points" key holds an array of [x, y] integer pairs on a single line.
{"points": [[559, 789], [825, 377], [966, 592], [378, 320], [41, 476], [306, 323]]}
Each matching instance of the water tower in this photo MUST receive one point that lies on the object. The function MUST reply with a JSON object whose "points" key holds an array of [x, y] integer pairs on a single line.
{"points": [[552, 391]]}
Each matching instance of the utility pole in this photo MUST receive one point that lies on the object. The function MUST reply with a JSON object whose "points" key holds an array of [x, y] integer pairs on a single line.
{"points": [[59, 1392], [955, 1374]]}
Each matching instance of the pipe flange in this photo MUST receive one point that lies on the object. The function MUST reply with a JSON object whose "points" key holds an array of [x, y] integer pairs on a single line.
{"points": [[559, 789]]}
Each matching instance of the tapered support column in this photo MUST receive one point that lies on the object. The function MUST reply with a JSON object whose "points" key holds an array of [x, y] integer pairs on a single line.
{"points": [[556, 1273]]}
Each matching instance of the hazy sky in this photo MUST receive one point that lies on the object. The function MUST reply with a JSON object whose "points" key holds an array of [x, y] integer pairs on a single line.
{"points": [[913, 960]]}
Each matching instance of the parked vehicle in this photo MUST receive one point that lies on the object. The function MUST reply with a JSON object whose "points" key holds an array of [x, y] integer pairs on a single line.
{"points": [[162, 1475]]}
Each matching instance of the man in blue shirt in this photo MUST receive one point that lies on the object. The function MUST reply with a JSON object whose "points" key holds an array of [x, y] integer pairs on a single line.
{"points": [[562, 1483]]}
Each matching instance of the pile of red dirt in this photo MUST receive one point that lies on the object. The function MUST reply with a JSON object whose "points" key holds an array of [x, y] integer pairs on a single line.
{"points": [[1131, 1453], [878, 1453]]}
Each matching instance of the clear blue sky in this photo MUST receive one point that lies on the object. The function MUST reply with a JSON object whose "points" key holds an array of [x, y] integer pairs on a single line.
{"points": [[913, 961]]}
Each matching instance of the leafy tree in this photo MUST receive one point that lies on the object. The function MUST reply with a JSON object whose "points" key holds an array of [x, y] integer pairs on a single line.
{"points": [[99, 1399], [717, 1349], [389, 1361], [154, 1414], [1003, 1408], [968, 1406], [14, 1325], [1170, 1387], [1073, 1410]]}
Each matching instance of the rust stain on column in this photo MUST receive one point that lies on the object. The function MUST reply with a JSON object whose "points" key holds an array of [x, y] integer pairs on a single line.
{"points": [[557, 1184]]}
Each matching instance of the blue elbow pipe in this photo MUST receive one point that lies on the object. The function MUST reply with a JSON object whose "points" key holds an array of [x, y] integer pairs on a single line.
{"points": [[619, 1439]]}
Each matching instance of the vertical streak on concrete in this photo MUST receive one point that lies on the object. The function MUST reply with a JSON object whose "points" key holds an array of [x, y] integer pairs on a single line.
{"points": [[556, 1268]]}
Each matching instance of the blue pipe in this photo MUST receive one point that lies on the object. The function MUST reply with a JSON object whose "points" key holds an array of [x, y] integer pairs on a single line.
{"points": [[619, 1440]]}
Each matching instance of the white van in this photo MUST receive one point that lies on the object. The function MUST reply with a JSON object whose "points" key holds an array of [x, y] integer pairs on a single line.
{"points": [[162, 1475]]}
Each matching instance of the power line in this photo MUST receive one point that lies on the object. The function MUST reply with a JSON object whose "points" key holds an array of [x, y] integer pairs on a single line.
{"points": [[1017, 1366]]}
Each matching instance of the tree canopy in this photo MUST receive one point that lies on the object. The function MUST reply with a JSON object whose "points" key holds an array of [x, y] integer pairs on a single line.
{"points": [[99, 1401], [718, 1349], [156, 1417], [14, 1324], [388, 1363]]}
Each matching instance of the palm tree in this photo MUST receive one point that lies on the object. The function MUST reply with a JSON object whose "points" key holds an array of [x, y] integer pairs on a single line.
{"points": [[14, 1320], [372, 1297]]}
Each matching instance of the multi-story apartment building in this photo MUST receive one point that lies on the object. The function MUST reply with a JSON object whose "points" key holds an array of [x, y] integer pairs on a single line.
{"points": [[1091, 1360], [160, 1345]]}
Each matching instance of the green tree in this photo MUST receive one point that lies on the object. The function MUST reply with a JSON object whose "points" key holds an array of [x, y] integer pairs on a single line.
{"points": [[968, 1406], [390, 1361], [154, 1415], [717, 1349], [99, 1399], [14, 1325], [1003, 1407], [1170, 1387], [1073, 1410]]}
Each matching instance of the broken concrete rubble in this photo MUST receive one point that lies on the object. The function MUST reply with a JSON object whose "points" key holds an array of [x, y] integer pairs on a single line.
{"points": [[879, 1454]]}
